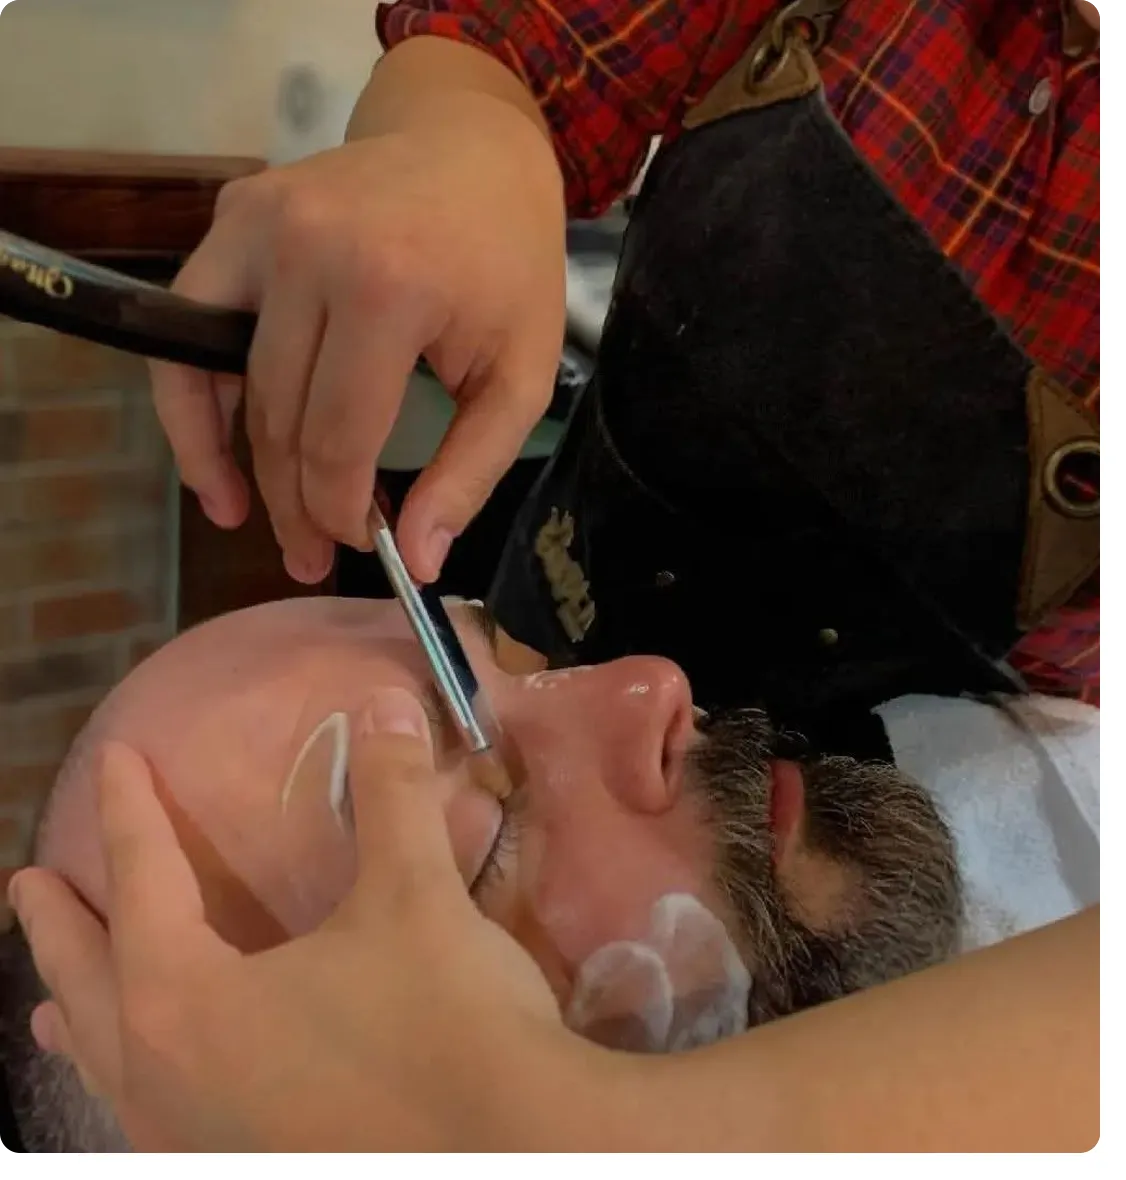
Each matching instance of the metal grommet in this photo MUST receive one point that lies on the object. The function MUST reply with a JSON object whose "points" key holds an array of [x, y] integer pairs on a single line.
{"points": [[1071, 479], [1040, 98], [664, 578], [828, 637]]}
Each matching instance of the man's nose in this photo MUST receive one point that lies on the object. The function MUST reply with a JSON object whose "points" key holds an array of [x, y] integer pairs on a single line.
{"points": [[635, 716]]}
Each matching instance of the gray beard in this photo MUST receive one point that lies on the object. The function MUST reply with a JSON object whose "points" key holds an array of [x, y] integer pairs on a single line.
{"points": [[866, 816], [51, 1107]]}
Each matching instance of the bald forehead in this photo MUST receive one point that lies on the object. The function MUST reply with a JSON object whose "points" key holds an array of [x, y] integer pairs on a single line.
{"points": [[228, 696]]}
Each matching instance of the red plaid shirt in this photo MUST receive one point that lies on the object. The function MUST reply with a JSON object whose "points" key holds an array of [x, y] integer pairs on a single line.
{"points": [[982, 116]]}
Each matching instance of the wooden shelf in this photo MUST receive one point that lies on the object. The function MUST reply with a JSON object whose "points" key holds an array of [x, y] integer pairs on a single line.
{"points": [[155, 209]]}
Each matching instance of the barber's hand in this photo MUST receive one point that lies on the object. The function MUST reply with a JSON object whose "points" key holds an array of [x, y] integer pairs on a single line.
{"points": [[406, 1022], [444, 241]]}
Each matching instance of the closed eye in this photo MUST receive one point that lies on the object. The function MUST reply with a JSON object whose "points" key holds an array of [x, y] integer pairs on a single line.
{"points": [[507, 842], [508, 834]]}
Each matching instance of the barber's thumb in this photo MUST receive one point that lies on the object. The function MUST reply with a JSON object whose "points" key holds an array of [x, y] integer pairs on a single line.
{"points": [[396, 798], [491, 425]]}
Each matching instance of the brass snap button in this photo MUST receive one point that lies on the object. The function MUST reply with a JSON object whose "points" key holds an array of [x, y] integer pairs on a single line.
{"points": [[1071, 479]]}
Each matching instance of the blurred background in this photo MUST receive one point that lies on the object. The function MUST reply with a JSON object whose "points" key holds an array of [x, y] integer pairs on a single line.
{"points": [[199, 77]]}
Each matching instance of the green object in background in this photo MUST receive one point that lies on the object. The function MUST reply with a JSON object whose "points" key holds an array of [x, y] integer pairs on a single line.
{"points": [[426, 414]]}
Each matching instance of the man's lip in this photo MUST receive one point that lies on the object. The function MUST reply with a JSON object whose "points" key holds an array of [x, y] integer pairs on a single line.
{"points": [[787, 801]]}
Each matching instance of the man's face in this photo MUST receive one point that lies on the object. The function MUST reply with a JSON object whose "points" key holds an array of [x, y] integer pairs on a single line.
{"points": [[824, 874]]}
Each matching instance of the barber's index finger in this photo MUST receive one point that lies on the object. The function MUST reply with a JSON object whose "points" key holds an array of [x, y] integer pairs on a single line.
{"points": [[217, 274], [153, 904]]}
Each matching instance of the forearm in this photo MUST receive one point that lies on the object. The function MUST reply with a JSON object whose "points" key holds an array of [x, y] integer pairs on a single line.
{"points": [[995, 1051], [427, 77], [605, 87]]}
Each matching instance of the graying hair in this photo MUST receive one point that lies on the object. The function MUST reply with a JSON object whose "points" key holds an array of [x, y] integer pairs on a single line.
{"points": [[52, 1109]]}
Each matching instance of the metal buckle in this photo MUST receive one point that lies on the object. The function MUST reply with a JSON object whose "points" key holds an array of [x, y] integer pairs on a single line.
{"points": [[807, 22], [1072, 490]]}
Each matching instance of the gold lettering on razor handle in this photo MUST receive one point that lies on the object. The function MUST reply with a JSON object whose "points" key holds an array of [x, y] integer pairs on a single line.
{"points": [[569, 586], [48, 279]]}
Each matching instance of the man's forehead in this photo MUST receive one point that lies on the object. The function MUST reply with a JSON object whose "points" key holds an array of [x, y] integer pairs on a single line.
{"points": [[216, 706]]}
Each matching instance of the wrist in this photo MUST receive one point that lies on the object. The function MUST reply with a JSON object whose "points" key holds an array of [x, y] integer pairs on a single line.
{"points": [[710, 1099], [550, 1091]]}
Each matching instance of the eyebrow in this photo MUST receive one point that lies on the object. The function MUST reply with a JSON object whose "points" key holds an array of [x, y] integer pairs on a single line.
{"points": [[482, 620]]}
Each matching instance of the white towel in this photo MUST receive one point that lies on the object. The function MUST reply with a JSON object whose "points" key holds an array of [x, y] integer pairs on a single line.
{"points": [[1018, 782]]}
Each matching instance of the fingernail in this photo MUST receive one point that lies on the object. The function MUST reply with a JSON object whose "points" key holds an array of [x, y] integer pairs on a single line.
{"points": [[314, 572], [437, 548], [308, 573], [393, 711]]}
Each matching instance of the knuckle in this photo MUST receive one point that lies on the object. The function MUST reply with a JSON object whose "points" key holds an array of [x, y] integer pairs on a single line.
{"points": [[394, 764], [467, 494], [338, 508], [331, 451], [267, 428], [236, 193], [334, 522], [305, 223], [406, 763], [388, 272]]}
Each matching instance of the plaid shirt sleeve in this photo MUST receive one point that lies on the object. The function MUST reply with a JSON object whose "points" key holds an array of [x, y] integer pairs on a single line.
{"points": [[609, 75]]}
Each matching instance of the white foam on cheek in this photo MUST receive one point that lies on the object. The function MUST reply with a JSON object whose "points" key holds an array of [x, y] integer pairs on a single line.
{"points": [[637, 690], [707, 973], [334, 727], [683, 986], [622, 992]]}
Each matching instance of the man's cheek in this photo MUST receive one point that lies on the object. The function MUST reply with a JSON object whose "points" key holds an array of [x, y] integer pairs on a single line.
{"points": [[540, 907]]}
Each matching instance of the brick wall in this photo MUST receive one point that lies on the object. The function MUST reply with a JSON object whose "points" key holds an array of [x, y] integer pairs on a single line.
{"points": [[86, 551]]}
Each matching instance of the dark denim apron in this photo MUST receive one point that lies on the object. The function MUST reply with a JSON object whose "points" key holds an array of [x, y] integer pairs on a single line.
{"points": [[810, 467]]}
